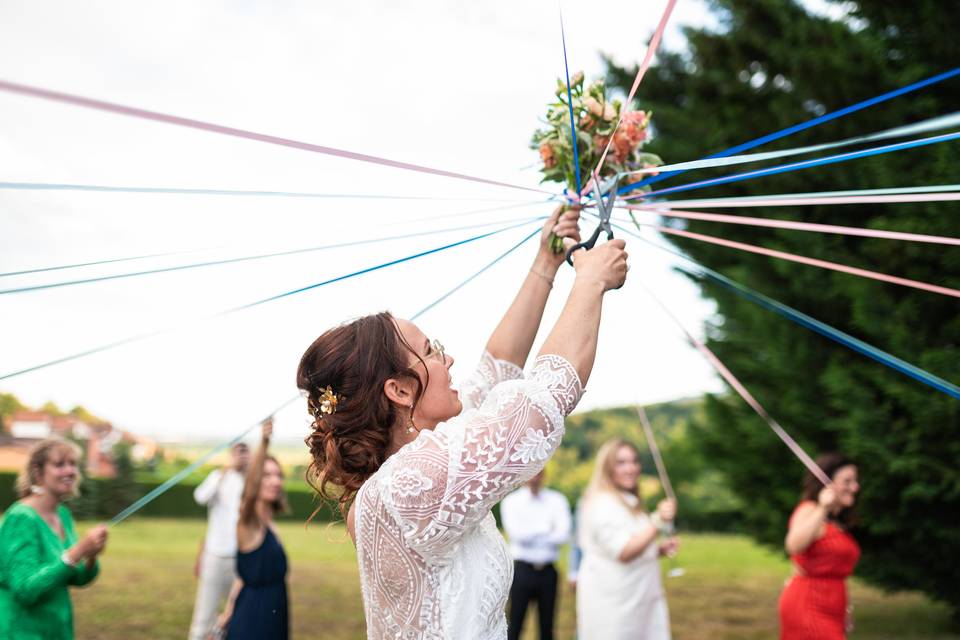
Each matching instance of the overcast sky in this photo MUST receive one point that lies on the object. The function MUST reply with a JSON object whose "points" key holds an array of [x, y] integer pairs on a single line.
{"points": [[458, 86]]}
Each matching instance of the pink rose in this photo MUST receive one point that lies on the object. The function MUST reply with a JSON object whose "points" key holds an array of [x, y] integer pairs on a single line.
{"points": [[593, 106], [547, 155]]}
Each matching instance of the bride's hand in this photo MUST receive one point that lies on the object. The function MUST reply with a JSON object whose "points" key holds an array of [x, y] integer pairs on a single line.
{"points": [[563, 223]]}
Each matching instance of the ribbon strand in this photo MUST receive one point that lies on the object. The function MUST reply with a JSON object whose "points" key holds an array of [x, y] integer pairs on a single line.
{"points": [[143, 336], [797, 226], [806, 321], [823, 264], [110, 107], [744, 393], [803, 126]]}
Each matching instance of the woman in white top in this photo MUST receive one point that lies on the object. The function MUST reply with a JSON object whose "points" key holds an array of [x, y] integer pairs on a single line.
{"points": [[417, 466], [619, 592]]}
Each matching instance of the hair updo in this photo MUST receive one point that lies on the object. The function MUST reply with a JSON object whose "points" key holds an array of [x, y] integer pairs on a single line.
{"points": [[355, 359]]}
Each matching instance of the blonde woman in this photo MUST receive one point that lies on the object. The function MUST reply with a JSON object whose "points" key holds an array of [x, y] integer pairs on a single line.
{"points": [[619, 591], [40, 554]]}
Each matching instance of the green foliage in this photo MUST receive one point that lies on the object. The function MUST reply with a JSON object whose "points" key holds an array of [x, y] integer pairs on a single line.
{"points": [[770, 65], [81, 413], [706, 504], [51, 408], [596, 118], [103, 498], [9, 404]]}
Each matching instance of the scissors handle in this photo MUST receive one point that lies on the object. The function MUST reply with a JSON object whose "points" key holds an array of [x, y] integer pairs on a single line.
{"points": [[589, 243]]}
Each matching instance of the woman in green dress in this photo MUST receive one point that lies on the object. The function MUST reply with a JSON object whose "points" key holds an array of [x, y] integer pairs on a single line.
{"points": [[40, 554]]}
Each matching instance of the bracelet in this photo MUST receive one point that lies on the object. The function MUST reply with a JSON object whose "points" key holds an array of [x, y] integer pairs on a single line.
{"points": [[548, 279], [65, 559]]}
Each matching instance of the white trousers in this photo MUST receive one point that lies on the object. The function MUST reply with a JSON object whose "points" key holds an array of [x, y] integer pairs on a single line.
{"points": [[216, 577]]}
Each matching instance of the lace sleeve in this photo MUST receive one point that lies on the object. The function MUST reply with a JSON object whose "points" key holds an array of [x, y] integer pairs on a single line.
{"points": [[487, 375], [447, 480]]}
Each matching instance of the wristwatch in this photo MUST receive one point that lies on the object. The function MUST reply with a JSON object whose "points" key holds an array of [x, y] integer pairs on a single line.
{"points": [[65, 558]]}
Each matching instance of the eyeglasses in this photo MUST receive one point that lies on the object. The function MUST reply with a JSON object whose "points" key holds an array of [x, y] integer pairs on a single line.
{"points": [[437, 350]]}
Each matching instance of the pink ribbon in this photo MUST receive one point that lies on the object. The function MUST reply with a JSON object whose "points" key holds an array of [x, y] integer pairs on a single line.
{"points": [[647, 59], [655, 452], [746, 395], [823, 264], [111, 107], [797, 226]]}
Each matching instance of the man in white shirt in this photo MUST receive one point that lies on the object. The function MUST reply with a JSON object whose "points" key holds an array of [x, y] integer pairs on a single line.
{"points": [[220, 492], [537, 522]]}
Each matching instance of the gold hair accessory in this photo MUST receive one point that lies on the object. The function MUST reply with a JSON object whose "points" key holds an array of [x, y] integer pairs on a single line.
{"points": [[328, 402]]}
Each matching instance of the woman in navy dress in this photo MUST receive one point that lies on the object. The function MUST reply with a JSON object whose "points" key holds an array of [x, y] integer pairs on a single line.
{"points": [[257, 607]]}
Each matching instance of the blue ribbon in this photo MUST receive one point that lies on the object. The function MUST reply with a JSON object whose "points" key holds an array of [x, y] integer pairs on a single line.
{"points": [[573, 126], [175, 479], [196, 265], [807, 164], [354, 274], [98, 188], [827, 117], [183, 473], [813, 324], [471, 278]]}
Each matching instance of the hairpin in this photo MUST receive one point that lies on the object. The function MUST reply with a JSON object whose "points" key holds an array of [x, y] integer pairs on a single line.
{"points": [[328, 402]]}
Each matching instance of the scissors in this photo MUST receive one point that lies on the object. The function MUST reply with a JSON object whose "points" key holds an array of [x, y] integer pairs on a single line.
{"points": [[605, 210]]}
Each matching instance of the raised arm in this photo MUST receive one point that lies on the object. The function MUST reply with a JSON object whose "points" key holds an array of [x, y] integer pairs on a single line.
{"points": [[808, 523], [447, 480], [513, 338], [574, 337], [251, 487]]}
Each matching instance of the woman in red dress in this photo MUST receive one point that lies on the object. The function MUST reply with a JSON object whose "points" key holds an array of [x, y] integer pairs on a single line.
{"points": [[814, 603]]}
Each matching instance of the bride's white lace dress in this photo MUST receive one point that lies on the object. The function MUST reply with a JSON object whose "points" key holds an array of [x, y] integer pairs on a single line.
{"points": [[432, 563]]}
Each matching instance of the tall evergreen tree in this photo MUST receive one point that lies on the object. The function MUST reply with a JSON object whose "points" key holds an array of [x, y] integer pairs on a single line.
{"points": [[771, 64]]}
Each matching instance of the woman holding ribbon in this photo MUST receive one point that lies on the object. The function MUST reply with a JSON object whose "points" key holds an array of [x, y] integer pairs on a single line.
{"points": [[619, 591], [257, 606], [41, 555], [814, 602], [417, 466]]}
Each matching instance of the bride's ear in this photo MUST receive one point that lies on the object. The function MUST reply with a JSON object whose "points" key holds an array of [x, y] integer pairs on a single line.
{"points": [[399, 391]]}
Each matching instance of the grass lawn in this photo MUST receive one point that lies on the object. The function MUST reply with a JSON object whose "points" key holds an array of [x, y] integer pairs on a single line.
{"points": [[730, 590]]}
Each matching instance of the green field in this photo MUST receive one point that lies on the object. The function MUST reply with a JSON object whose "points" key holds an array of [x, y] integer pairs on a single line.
{"points": [[730, 590]]}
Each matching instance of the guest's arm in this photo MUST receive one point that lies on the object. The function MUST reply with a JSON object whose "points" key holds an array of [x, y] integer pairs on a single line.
{"points": [[638, 543], [808, 522], [224, 620], [29, 577], [251, 487]]}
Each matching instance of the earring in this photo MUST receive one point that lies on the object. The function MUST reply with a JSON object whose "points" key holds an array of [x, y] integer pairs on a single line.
{"points": [[411, 428], [37, 490]]}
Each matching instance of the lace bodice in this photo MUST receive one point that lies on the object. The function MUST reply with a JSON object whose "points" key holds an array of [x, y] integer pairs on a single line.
{"points": [[432, 563]]}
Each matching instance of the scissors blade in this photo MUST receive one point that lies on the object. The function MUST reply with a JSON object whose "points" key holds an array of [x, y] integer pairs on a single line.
{"points": [[606, 206]]}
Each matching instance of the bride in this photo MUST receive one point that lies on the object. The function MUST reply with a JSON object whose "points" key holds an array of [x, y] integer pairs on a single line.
{"points": [[417, 466]]}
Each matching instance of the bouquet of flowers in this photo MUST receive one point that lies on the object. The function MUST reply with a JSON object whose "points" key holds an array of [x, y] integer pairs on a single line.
{"points": [[595, 121]]}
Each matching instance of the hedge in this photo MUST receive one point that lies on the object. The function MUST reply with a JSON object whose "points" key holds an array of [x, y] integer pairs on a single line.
{"points": [[102, 498]]}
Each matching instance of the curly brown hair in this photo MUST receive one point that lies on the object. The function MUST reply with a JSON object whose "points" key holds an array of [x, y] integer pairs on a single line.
{"points": [[355, 359]]}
